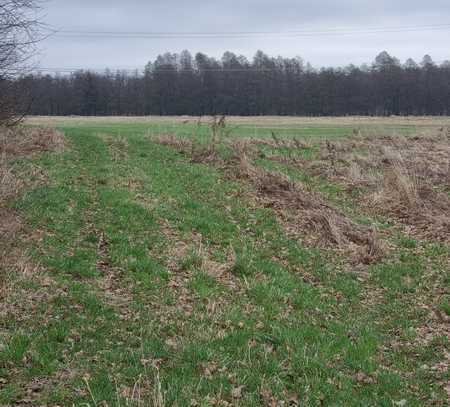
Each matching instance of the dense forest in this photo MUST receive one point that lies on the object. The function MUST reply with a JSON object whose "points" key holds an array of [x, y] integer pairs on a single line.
{"points": [[182, 84]]}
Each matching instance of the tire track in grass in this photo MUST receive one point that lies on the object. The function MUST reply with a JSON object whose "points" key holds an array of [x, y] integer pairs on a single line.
{"points": [[81, 322], [161, 222], [201, 224]]}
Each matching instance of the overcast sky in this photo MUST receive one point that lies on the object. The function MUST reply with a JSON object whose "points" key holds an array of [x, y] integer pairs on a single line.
{"points": [[393, 20]]}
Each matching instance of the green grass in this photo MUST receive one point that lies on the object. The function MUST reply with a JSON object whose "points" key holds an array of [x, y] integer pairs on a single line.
{"points": [[277, 318], [313, 131]]}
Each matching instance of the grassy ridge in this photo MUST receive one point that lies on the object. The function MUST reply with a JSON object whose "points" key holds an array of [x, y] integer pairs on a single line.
{"points": [[170, 287]]}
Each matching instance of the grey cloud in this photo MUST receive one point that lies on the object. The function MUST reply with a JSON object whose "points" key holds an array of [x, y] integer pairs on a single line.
{"points": [[243, 15]]}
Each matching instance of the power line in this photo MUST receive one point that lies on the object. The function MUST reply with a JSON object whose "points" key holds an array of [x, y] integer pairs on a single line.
{"points": [[248, 34], [96, 70], [113, 70], [133, 70]]}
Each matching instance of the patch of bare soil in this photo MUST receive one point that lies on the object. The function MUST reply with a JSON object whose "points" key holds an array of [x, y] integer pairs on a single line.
{"points": [[303, 213], [404, 178], [37, 387]]}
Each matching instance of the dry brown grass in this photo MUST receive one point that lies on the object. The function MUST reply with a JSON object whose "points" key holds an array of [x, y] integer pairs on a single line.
{"points": [[304, 213], [20, 302], [9, 183], [199, 153], [427, 156], [263, 121], [19, 142], [171, 140], [26, 141], [15, 143], [404, 178], [307, 215]]}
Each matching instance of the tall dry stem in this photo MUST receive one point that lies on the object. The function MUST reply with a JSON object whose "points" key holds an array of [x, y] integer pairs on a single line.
{"points": [[400, 181]]}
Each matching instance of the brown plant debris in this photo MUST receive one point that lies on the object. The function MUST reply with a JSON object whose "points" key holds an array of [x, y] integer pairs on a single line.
{"points": [[304, 213], [17, 142], [26, 141], [404, 178], [307, 215], [15, 266]]}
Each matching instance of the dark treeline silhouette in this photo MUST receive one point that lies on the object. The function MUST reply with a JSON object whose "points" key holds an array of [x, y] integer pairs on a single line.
{"points": [[180, 84]]}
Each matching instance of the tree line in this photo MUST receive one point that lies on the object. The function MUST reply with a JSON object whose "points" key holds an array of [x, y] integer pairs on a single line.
{"points": [[182, 84]]}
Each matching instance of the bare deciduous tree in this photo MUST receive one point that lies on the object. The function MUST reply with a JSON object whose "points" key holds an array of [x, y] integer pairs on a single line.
{"points": [[19, 33]]}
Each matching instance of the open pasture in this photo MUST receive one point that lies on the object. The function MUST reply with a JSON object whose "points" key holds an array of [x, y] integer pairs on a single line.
{"points": [[241, 261]]}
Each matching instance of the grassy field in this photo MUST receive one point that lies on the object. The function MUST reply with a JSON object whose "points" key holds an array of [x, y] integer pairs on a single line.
{"points": [[248, 126], [263, 261]]}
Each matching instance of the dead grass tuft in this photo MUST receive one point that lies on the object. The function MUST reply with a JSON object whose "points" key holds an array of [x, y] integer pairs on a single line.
{"points": [[26, 141], [404, 178], [171, 140], [199, 153], [405, 196], [281, 142], [16, 143], [9, 183], [399, 183]]}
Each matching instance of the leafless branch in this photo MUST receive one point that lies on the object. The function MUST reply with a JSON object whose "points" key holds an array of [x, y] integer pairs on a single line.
{"points": [[20, 31]]}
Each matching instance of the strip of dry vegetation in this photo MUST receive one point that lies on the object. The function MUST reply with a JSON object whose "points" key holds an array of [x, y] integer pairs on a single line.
{"points": [[17, 270], [304, 213], [19, 142], [258, 121], [404, 178], [16, 143]]}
